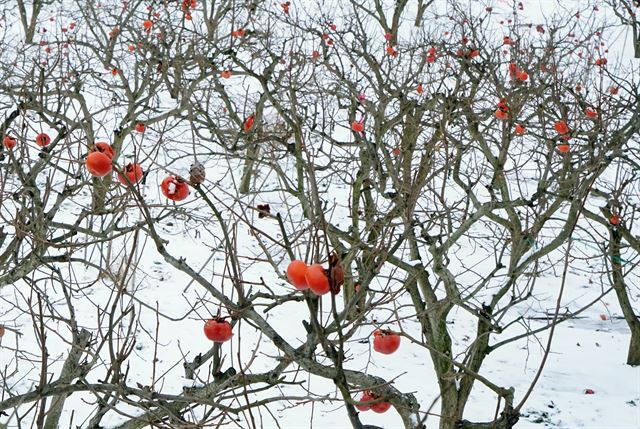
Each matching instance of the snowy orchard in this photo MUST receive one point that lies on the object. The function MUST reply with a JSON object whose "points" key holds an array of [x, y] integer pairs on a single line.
{"points": [[266, 214]]}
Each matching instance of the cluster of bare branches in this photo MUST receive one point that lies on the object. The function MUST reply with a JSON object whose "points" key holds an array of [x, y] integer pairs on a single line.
{"points": [[444, 159]]}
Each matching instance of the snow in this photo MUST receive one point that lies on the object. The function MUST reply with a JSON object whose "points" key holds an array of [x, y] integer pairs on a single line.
{"points": [[587, 352]]}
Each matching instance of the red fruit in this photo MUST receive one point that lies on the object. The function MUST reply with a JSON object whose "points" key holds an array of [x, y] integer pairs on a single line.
{"points": [[98, 164], [317, 280], [366, 397], [603, 317], [591, 113], [104, 148], [614, 220], [613, 90], [43, 139], [240, 32], [513, 70], [226, 74], [9, 142], [385, 342], [506, 40], [564, 148], [147, 24], [419, 89], [133, 172], [396, 151], [501, 113], [114, 71], [601, 62], [520, 129], [380, 407], [140, 127], [248, 123], [218, 330], [388, 36], [523, 76], [431, 58], [296, 272], [357, 126], [175, 189], [589, 391], [2, 331], [561, 127], [391, 51]]}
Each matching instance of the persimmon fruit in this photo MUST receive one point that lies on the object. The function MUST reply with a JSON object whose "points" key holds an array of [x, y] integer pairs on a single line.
{"points": [[43, 139], [98, 164], [317, 280], [386, 342], [174, 189], [296, 272], [218, 330]]}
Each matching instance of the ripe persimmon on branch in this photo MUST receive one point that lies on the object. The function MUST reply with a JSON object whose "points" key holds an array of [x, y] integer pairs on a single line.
{"points": [[309, 190]]}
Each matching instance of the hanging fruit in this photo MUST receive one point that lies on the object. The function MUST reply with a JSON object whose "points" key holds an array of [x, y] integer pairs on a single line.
{"points": [[385, 341], [520, 129], [98, 164], [431, 55], [248, 123], [9, 142], [43, 139], [140, 127], [133, 172], [105, 148], [317, 279], [591, 113], [174, 188], [377, 407], [357, 126], [614, 220], [561, 127], [563, 148], [218, 330], [296, 272]]}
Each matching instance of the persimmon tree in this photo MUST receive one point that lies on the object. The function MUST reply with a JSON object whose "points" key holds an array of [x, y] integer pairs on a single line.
{"points": [[438, 160]]}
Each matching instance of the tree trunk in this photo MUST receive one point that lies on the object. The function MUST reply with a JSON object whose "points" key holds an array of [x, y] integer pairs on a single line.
{"points": [[633, 356]]}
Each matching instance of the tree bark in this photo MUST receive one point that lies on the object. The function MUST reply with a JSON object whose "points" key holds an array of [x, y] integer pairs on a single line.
{"points": [[620, 287]]}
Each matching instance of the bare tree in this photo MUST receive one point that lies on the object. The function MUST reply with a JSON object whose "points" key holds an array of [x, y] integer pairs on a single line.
{"points": [[435, 160]]}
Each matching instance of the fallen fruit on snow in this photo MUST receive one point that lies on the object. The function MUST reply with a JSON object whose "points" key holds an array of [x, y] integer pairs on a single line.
{"points": [[385, 342], [133, 172], [589, 391], [174, 188], [296, 272], [317, 280], [218, 330], [98, 164], [43, 139]]}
